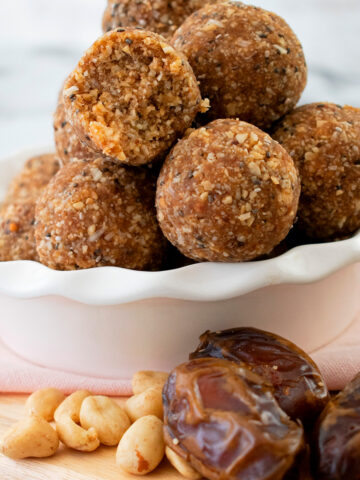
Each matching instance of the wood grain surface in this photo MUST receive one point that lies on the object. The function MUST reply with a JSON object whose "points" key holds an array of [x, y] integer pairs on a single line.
{"points": [[66, 464]]}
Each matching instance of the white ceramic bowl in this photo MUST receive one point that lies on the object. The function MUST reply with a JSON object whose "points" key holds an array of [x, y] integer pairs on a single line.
{"points": [[111, 321]]}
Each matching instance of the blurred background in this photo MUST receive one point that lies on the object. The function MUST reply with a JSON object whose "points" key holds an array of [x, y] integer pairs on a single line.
{"points": [[42, 40]]}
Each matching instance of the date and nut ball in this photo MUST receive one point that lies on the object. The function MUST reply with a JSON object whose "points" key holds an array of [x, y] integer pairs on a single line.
{"points": [[17, 214], [131, 96], [67, 143], [159, 16], [248, 61], [32, 178], [99, 213], [324, 142], [17, 241], [227, 193]]}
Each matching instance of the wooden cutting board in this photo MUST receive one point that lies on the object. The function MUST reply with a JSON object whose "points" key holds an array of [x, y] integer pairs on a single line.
{"points": [[66, 464]]}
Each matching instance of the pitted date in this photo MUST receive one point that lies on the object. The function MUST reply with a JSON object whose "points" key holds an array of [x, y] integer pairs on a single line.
{"points": [[298, 385], [337, 436], [224, 420]]}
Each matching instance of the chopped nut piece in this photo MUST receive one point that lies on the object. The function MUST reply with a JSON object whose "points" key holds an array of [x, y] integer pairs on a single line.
{"points": [[241, 137], [227, 200], [280, 49], [78, 205]]}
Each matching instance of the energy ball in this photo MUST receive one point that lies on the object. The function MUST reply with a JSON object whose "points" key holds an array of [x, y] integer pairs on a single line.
{"points": [[324, 142], [248, 61], [17, 241], [131, 96], [99, 213], [159, 16], [68, 145], [32, 178], [227, 193], [17, 214]]}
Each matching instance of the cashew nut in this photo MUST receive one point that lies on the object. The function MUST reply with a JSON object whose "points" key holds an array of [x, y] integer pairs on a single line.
{"points": [[43, 403], [71, 405], [67, 417], [106, 416], [31, 437], [73, 436], [145, 379], [148, 402], [181, 465], [142, 447]]}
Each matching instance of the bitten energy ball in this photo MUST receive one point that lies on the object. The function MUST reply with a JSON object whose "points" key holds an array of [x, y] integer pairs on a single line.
{"points": [[324, 142], [68, 145], [17, 214], [248, 61], [159, 16], [131, 96], [99, 213], [227, 193]]}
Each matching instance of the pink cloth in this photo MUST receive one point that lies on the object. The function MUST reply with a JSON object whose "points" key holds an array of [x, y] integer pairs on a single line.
{"points": [[339, 362], [20, 376]]}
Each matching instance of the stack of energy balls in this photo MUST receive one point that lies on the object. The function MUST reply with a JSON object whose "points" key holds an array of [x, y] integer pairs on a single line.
{"points": [[178, 127]]}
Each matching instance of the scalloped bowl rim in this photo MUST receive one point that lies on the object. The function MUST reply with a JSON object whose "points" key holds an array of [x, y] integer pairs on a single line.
{"points": [[198, 282]]}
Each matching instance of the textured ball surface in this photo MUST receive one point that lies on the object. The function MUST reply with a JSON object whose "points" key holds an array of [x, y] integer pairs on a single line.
{"points": [[99, 213], [227, 193], [324, 142], [248, 61], [131, 96]]}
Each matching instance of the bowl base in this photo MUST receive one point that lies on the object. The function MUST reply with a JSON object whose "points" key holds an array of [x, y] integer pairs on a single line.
{"points": [[116, 341]]}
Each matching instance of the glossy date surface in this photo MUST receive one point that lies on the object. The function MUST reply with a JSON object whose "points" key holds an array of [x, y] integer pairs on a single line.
{"points": [[337, 436], [224, 420], [298, 385]]}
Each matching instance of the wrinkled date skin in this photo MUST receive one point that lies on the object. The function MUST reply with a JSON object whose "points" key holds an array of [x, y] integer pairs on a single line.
{"points": [[337, 436], [224, 420], [298, 385]]}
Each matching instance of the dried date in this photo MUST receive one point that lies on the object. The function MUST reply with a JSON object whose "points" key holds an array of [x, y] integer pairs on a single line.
{"points": [[223, 419], [298, 385], [337, 436]]}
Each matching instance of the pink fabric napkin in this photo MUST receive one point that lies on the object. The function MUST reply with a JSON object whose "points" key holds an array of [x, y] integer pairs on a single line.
{"points": [[20, 376], [339, 362]]}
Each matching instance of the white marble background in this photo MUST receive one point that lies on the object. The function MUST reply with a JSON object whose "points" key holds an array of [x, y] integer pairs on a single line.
{"points": [[41, 41]]}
